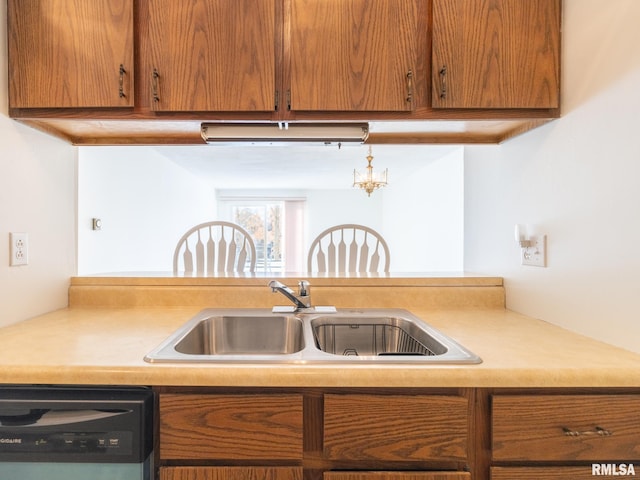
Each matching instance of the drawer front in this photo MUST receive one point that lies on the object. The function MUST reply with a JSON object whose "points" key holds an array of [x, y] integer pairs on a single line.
{"points": [[556, 473], [566, 427], [395, 428], [231, 427], [230, 473], [396, 476]]}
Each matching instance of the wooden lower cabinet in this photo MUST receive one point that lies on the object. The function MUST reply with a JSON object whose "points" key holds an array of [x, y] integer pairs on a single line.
{"points": [[231, 427], [396, 427], [564, 436], [396, 476], [542, 473], [230, 473], [565, 428], [395, 434]]}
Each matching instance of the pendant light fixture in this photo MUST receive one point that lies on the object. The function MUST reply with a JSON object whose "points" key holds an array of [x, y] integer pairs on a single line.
{"points": [[370, 180]]}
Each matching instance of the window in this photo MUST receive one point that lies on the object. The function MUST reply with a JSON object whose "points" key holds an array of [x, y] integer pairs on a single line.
{"points": [[277, 228]]}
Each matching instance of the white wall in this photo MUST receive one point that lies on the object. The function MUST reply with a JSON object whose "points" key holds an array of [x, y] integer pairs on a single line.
{"points": [[326, 208], [37, 196], [424, 216], [578, 179], [145, 202]]}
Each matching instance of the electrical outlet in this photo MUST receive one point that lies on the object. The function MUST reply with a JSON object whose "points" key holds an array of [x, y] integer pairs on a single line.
{"points": [[536, 253], [19, 249]]}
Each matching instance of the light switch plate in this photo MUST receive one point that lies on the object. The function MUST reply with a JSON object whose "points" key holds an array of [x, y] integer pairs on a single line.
{"points": [[535, 254]]}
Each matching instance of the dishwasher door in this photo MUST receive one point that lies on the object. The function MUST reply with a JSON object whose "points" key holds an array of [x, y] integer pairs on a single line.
{"points": [[59, 433]]}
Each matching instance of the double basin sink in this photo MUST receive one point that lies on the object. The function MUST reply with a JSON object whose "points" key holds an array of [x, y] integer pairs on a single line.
{"points": [[346, 336]]}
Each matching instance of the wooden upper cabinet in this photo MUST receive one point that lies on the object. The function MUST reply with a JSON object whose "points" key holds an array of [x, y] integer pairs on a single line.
{"points": [[355, 55], [70, 53], [496, 54], [212, 55]]}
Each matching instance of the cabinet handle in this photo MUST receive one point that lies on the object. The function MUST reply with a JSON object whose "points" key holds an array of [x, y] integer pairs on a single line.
{"points": [[602, 432], [122, 72], [409, 86], [154, 85], [443, 81]]}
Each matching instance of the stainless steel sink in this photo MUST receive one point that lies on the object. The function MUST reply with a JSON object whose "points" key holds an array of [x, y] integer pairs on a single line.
{"points": [[350, 336], [233, 335], [243, 335], [373, 336]]}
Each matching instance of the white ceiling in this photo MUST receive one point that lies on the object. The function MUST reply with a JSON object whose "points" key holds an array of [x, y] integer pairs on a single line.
{"points": [[297, 167]]}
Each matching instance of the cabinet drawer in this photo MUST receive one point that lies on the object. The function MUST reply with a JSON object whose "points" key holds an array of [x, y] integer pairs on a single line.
{"points": [[566, 427], [395, 428], [543, 473], [231, 427], [396, 476], [230, 473]]}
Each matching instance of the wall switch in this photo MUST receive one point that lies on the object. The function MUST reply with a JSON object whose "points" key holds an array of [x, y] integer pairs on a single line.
{"points": [[19, 249], [535, 253]]}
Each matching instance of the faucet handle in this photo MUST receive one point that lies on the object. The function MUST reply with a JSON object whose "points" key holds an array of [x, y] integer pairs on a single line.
{"points": [[303, 288]]}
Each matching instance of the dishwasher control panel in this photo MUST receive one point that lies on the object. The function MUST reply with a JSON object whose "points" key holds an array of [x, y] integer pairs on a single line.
{"points": [[105, 443], [57, 424]]}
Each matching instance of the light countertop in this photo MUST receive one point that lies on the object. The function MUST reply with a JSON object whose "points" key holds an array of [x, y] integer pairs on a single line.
{"points": [[106, 345]]}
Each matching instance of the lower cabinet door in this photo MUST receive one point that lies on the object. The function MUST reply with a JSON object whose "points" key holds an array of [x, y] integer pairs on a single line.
{"points": [[589, 428], [396, 476], [231, 427], [588, 472], [396, 427], [230, 473]]}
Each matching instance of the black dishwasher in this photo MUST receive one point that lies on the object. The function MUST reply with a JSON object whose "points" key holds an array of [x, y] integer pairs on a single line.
{"points": [[58, 433]]}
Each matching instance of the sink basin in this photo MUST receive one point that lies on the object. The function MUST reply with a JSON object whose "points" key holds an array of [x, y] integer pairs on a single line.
{"points": [[233, 335], [366, 336], [350, 336], [246, 335], [385, 336]]}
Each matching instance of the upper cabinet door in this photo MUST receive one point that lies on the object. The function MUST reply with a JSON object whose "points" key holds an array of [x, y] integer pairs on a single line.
{"points": [[70, 53], [354, 55], [212, 55], [496, 53]]}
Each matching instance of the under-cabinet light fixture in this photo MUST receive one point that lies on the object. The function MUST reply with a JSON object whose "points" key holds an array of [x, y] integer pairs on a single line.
{"points": [[284, 132]]}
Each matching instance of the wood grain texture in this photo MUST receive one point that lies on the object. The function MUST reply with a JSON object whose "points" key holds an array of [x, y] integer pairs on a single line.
{"points": [[532, 427], [397, 476], [67, 53], [497, 54], [542, 473], [230, 473], [213, 55], [231, 427], [393, 427], [354, 55]]}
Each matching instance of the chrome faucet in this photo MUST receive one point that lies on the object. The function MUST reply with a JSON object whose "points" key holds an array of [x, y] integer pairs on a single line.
{"points": [[301, 300]]}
